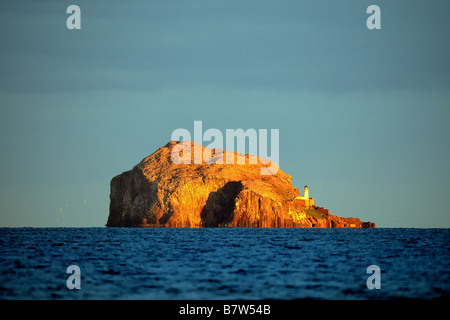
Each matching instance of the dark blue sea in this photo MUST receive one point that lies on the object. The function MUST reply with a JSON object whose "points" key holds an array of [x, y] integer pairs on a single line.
{"points": [[223, 263]]}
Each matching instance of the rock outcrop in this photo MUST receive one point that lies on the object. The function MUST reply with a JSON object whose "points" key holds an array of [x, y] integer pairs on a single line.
{"points": [[160, 193]]}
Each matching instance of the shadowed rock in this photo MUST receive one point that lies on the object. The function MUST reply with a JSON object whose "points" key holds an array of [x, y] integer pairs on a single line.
{"points": [[219, 208]]}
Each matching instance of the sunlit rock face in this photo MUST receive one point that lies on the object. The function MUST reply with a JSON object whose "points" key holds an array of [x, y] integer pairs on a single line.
{"points": [[158, 192]]}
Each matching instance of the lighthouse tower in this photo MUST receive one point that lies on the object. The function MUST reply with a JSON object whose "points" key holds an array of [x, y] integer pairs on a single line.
{"points": [[305, 201]]}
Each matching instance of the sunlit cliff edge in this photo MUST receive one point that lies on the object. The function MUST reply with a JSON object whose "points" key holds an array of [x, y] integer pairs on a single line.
{"points": [[160, 193]]}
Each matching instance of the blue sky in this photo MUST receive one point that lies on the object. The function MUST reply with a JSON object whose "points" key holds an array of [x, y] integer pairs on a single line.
{"points": [[363, 114]]}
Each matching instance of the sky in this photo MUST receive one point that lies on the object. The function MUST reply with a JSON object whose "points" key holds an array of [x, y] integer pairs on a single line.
{"points": [[363, 115]]}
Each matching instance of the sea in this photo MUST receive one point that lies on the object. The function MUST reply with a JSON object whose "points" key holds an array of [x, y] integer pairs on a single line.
{"points": [[223, 263]]}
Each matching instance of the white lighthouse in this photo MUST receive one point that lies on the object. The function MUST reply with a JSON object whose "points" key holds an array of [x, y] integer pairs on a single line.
{"points": [[306, 201]]}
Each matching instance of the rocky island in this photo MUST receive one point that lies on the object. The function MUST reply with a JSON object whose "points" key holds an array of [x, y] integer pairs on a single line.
{"points": [[160, 193]]}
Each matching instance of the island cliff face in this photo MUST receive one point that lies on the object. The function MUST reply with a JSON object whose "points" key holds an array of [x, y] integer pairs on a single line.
{"points": [[159, 193]]}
